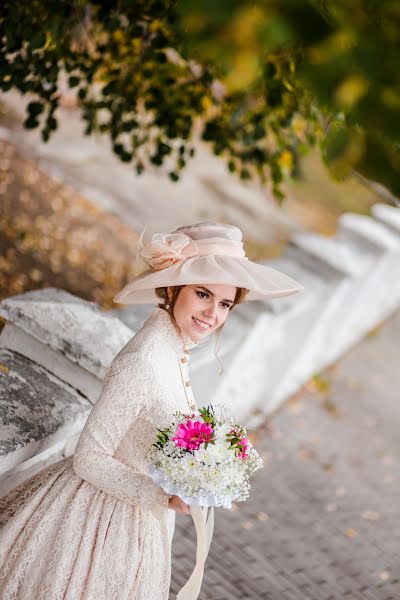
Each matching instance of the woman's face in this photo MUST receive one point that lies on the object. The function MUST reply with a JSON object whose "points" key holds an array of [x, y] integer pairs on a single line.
{"points": [[205, 303]]}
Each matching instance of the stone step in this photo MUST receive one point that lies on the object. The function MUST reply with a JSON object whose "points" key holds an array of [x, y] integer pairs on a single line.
{"points": [[353, 261], [388, 215], [302, 327], [63, 333], [320, 253], [382, 286], [368, 230], [16, 339], [41, 418]]}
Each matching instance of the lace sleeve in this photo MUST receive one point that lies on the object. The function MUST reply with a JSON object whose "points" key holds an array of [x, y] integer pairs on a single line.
{"points": [[125, 391]]}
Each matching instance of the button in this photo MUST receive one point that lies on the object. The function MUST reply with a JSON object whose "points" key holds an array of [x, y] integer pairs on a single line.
{"points": [[184, 360], [187, 351], [187, 383]]}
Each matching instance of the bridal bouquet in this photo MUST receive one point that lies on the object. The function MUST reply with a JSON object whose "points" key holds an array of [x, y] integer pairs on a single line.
{"points": [[204, 458]]}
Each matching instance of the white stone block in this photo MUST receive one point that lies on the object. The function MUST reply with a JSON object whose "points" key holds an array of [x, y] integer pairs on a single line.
{"points": [[304, 337], [27, 469], [39, 414], [378, 293], [329, 251], [17, 339], [388, 215], [74, 327], [353, 261], [368, 230]]}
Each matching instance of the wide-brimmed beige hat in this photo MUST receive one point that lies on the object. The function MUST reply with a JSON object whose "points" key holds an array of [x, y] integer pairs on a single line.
{"points": [[199, 254]]}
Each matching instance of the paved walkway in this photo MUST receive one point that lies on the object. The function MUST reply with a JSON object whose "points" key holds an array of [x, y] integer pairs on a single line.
{"points": [[323, 520]]}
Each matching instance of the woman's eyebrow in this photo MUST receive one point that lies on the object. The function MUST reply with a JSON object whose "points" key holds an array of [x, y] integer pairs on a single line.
{"points": [[211, 294]]}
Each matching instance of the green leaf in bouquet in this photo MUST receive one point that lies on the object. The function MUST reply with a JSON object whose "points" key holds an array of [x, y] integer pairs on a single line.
{"points": [[207, 414], [162, 437]]}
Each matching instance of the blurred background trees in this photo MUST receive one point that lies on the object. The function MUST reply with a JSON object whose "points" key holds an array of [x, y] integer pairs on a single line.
{"points": [[260, 81]]}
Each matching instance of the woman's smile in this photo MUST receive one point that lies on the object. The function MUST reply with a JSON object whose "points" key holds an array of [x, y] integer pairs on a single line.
{"points": [[201, 324]]}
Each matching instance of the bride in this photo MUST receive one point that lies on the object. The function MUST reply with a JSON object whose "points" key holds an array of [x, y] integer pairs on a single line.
{"points": [[94, 526]]}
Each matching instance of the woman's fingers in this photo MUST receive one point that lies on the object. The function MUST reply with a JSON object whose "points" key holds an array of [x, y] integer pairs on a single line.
{"points": [[178, 505], [185, 508]]}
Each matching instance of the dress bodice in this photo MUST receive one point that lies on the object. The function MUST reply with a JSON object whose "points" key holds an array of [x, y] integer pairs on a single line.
{"points": [[146, 383]]}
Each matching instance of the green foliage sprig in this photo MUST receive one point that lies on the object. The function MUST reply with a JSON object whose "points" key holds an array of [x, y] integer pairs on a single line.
{"points": [[207, 414], [162, 437]]}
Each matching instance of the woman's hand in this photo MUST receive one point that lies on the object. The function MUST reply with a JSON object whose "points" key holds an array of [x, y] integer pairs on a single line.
{"points": [[178, 505]]}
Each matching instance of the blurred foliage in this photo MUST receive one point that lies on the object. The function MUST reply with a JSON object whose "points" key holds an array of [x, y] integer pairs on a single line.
{"points": [[260, 81], [51, 236], [317, 200]]}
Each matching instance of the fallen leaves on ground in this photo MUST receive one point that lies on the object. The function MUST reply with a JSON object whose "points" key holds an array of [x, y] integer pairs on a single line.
{"points": [[370, 515], [351, 533]]}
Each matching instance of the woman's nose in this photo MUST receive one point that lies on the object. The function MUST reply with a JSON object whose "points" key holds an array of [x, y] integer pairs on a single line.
{"points": [[211, 310]]}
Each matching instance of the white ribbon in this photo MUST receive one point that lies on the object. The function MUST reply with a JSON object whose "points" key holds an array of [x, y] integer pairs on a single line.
{"points": [[202, 511], [204, 530]]}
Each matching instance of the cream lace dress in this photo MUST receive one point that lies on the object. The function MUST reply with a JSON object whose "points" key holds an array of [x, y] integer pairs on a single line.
{"points": [[94, 526]]}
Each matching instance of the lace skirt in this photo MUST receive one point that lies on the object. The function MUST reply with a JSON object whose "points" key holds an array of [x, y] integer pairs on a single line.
{"points": [[61, 538]]}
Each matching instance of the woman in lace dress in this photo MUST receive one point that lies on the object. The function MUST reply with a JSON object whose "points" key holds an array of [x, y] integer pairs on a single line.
{"points": [[94, 526]]}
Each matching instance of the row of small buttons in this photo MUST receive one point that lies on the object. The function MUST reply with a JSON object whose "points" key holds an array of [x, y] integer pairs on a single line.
{"points": [[189, 395]]}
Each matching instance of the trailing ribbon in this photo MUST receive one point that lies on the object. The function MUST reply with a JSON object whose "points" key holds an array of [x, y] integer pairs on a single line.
{"points": [[204, 530]]}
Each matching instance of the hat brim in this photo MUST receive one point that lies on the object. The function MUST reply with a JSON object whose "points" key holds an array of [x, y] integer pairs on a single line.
{"points": [[262, 282]]}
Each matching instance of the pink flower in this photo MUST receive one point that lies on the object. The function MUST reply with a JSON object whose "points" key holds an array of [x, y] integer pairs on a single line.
{"points": [[166, 249], [191, 435], [242, 445], [191, 416]]}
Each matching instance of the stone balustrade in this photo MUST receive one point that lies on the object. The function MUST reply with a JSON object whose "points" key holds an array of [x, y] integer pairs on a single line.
{"points": [[55, 347], [54, 352], [41, 418]]}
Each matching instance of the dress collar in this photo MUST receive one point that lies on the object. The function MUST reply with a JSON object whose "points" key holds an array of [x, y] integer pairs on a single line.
{"points": [[178, 342]]}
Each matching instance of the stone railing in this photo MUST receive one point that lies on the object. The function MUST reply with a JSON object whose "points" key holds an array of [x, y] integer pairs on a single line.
{"points": [[55, 347], [54, 351]]}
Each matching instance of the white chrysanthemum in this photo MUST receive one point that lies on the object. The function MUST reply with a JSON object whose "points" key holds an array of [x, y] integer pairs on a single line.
{"points": [[222, 430]]}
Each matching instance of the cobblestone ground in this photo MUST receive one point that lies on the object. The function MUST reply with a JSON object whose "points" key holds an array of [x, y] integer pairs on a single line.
{"points": [[322, 522]]}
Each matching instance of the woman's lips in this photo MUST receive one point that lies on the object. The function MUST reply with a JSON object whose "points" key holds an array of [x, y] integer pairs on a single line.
{"points": [[199, 326]]}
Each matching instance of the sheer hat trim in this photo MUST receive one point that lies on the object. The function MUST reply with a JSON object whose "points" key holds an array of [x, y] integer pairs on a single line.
{"points": [[202, 253]]}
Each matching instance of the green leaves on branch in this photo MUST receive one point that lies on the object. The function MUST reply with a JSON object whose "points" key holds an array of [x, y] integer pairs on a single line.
{"points": [[260, 82], [126, 63]]}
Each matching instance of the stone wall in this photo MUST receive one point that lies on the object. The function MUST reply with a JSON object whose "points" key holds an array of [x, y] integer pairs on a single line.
{"points": [[55, 347], [54, 352]]}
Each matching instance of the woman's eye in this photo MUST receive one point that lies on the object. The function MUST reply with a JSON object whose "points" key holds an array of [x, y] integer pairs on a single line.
{"points": [[204, 294]]}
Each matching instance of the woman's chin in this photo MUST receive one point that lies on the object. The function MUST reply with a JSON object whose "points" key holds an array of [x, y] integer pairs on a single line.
{"points": [[197, 333]]}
